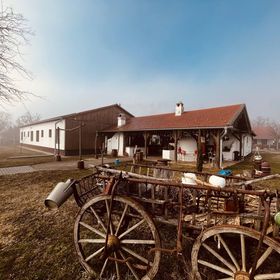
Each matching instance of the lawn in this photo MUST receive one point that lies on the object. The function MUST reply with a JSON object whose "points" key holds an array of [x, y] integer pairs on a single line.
{"points": [[17, 156], [36, 243]]}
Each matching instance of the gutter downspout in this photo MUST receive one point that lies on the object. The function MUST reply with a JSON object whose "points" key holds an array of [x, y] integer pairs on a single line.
{"points": [[221, 146]]}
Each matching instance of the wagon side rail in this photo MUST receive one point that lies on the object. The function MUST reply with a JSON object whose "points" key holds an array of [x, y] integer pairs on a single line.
{"points": [[175, 173]]}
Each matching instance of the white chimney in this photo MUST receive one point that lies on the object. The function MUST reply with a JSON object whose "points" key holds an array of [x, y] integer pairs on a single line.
{"points": [[121, 120], [179, 110]]}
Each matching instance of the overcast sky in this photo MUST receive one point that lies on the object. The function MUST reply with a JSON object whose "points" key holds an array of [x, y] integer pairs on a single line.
{"points": [[147, 55]]}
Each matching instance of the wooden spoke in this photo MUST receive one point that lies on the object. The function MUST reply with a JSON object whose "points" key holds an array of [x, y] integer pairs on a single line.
{"points": [[243, 252], [94, 254], [264, 256], [233, 259], [216, 267], [103, 267], [130, 267], [132, 228], [93, 229], [134, 254], [121, 220], [137, 241], [98, 219], [219, 257], [140, 264], [203, 244], [267, 276], [95, 241], [117, 267], [108, 212]]}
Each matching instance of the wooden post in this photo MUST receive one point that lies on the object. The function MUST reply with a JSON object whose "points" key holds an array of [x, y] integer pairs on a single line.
{"points": [[80, 142], [218, 149], [176, 145], [218, 153], [146, 148], [240, 147], [199, 159]]}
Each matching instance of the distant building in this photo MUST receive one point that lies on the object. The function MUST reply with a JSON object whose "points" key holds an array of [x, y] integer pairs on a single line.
{"points": [[265, 137], [226, 134], [61, 134]]}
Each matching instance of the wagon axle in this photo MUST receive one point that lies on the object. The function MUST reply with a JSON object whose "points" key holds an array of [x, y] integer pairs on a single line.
{"points": [[241, 275], [113, 243]]}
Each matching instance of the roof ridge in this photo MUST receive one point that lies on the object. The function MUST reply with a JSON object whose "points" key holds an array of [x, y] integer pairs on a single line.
{"points": [[202, 109]]}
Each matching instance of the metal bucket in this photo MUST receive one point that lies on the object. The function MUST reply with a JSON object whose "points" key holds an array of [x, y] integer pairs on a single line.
{"points": [[217, 181], [61, 192], [189, 179]]}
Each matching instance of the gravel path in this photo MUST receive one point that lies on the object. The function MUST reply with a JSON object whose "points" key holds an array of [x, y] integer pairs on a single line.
{"points": [[16, 170]]}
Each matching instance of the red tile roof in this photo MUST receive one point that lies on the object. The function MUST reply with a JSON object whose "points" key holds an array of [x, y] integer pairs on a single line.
{"points": [[204, 118], [264, 132]]}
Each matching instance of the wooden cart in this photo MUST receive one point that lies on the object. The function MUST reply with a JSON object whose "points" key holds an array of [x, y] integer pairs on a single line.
{"points": [[116, 235]]}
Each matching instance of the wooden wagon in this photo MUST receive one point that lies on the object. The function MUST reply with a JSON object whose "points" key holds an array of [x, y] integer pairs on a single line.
{"points": [[116, 230]]}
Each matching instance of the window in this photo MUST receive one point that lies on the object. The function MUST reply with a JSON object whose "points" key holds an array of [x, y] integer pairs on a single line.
{"points": [[31, 136], [37, 135], [42, 133], [24, 134], [21, 136], [50, 133]]}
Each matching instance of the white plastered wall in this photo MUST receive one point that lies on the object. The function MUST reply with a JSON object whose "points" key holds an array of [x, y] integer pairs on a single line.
{"points": [[45, 141], [116, 143], [234, 145], [188, 147]]}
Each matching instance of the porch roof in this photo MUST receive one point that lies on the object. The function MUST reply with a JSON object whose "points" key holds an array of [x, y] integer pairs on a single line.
{"points": [[218, 117]]}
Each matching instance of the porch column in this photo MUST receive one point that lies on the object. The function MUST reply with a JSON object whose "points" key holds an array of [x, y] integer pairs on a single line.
{"points": [[216, 137], [241, 145], [199, 159], [175, 145], [146, 144]]}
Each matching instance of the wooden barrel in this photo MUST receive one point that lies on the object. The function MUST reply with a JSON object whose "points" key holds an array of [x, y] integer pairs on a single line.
{"points": [[114, 153], [257, 164], [265, 168]]}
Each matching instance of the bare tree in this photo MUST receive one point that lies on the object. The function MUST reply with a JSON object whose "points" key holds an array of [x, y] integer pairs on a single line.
{"points": [[5, 120], [276, 126], [261, 121], [27, 118], [14, 35]]}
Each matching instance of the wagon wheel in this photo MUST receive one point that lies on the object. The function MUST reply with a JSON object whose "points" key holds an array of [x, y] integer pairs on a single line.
{"points": [[227, 253], [132, 235]]}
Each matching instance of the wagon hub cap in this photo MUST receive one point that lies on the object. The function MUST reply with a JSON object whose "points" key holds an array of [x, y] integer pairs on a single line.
{"points": [[241, 275], [113, 242]]}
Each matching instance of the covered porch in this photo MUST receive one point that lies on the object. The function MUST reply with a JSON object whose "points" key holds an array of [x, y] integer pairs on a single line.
{"points": [[187, 145]]}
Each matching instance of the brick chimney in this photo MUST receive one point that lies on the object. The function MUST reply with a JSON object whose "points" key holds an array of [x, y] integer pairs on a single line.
{"points": [[121, 120], [179, 110]]}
